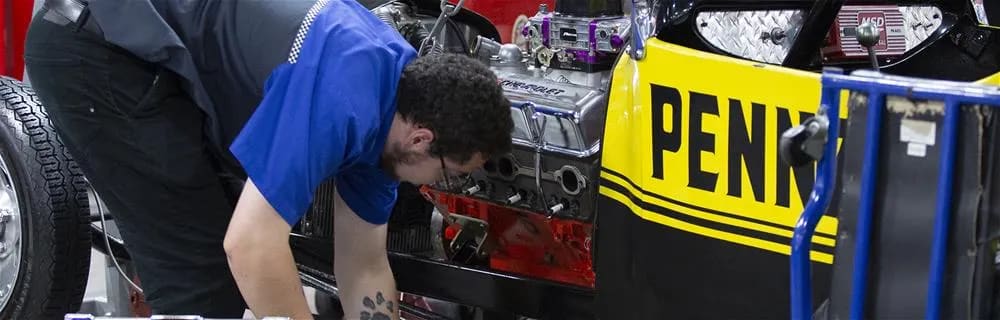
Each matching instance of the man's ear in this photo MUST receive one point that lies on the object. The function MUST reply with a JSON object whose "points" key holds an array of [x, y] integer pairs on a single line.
{"points": [[420, 139]]}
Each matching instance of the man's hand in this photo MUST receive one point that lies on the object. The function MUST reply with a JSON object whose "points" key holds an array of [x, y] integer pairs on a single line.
{"points": [[367, 288], [261, 260]]}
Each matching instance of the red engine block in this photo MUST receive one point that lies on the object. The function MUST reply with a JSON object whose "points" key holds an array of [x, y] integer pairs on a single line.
{"points": [[527, 243]]}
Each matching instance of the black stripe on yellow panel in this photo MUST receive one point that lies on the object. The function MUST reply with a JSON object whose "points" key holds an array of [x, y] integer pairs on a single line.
{"points": [[646, 270], [698, 221]]}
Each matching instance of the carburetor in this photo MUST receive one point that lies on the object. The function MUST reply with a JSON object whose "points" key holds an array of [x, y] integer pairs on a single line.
{"points": [[585, 43]]}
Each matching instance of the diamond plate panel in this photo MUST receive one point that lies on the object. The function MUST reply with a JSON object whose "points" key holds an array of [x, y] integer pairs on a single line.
{"points": [[920, 22], [980, 9], [763, 35]]}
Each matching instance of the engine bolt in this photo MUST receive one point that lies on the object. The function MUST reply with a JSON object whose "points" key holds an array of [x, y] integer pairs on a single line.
{"points": [[472, 190], [514, 198], [556, 208]]}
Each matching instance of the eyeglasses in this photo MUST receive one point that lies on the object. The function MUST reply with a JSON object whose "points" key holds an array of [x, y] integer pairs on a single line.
{"points": [[460, 179]]}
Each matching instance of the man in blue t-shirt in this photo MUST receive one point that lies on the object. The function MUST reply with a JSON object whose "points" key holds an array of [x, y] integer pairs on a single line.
{"points": [[293, 93], [367, 115]]}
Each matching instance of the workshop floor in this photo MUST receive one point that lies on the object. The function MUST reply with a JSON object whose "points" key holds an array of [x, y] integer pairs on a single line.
{"points": [[97, 291]]}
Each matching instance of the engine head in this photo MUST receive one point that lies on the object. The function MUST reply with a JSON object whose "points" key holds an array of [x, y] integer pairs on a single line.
{"points": [[558, 111]]}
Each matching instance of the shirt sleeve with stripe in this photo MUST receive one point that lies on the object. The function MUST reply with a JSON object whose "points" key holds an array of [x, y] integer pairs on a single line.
{"points": [[325, 116]]}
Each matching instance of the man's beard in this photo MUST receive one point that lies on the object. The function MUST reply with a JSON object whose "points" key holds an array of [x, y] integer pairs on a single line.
{"points": [[393, 158]]}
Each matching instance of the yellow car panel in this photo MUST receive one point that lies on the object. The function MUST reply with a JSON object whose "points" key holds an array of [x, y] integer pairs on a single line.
{"points": [[991, 80], [691, 143]]}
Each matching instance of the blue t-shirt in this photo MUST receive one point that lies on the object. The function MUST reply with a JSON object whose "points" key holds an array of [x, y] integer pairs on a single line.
{"points": [[326, 113]]}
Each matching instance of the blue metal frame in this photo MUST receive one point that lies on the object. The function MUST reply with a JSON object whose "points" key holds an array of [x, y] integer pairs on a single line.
{"points": [[877, 86]]}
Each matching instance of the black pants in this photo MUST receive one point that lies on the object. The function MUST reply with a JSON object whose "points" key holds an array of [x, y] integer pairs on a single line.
{"points": [[139, 140]]}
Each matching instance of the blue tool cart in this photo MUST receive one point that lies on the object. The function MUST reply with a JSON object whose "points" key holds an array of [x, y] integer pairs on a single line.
{"points": [[914, 188]]}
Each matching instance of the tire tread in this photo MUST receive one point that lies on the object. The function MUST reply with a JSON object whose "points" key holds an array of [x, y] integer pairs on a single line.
{"points": [[55, 175]]}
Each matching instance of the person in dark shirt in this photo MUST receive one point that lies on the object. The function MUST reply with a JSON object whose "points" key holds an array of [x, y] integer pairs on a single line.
{"points": [[207, 126]]}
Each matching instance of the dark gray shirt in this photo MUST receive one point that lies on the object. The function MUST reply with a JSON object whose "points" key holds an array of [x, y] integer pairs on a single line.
{"points": [[224, 49]]}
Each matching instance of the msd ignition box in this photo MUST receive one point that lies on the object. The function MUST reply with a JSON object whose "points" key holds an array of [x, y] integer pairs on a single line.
{"points": [[842, 42], [579, 40]]}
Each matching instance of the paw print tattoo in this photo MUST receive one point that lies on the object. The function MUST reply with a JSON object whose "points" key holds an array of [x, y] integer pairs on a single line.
{"points": [[373, 313]]}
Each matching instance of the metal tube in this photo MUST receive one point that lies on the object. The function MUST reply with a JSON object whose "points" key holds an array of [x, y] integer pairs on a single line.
{"points": [[952, 93], [869, 176], [806, 225], [942, 210], [815, 25]]}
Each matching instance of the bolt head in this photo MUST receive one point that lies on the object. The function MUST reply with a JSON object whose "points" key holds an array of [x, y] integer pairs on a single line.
{"points": [[617, 42]]}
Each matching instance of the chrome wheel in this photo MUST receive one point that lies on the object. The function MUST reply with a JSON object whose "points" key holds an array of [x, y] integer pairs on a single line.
{"points": [[10, 235]]}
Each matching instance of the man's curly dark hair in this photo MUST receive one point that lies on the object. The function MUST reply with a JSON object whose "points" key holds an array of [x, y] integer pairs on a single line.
{"points": [[461, 101]]}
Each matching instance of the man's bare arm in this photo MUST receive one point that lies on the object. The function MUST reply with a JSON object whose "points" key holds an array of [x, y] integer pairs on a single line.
{"points": [[367, 287], [261, 259]]}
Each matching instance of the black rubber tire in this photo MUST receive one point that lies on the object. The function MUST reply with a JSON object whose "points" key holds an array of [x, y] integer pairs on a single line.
{"points": [[54, 210]]}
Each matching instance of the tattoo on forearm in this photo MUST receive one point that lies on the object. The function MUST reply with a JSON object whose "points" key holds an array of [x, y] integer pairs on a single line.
{"points": [[372, 305]]}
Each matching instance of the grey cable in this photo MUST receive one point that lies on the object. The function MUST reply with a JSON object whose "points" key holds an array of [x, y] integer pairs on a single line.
{"points": [[107, 244]]}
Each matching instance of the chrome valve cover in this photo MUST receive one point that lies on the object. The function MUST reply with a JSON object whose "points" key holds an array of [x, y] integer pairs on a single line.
{"points": [[569, 117], [557, 130]]}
